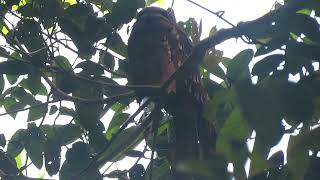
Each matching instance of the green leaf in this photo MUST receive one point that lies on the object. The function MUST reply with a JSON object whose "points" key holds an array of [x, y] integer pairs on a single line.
{"points": [[211, 63], [89, 113], [218, 108], [149, 2], [32, 83], [35, 148], [17, 143], [134, 153], [66, 111], [103, 5], [117, 45], [160, 170], [207, 169], [37, 112], [52, 156], [12, 78], [2, 83], [267, 65], [35, 143], [125, 137], [107, 59], [77, 159], [27, 32], [124, 11], [43, 90], [232, 141], [238, 67], [2, 140], [63, 63], [14, 67], [65, 81], [68, 133], [115, 123], [18, 160], [23, 96], [53, 109], [10, 104], [90, 68], [297, 155], [261, 110]]}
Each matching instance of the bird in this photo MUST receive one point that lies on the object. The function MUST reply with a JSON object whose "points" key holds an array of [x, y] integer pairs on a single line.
{"points": [[157, 47]]}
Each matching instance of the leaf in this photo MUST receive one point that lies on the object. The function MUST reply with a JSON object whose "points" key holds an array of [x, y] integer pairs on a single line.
{"points": [[267, 65], [77, 159], [66, 111], [149, 2], [297, 156], [37, 112], [271, 45], [217, 109], [107, 59], [238, 67], [3, 141], [211, 63], [17, 143], [65, 81], [103, 5], [35, 143], [115, 123], [160, 170], [124, 11], [14, 67], [90, 68], [116, 174], [2, 83], [134, 153], [23, 96], [10, 104], [262, 112], [68, 133], [89, 113], [207, 169], [43, 90], [18, 160], [63, 63], [213, 31], [12, 78], [35, 149], [232, 139], [137, 171], [52, 157], [124, 137], [32, 83], [27, 32], [117, 45], [53, 109], [63, 134]]}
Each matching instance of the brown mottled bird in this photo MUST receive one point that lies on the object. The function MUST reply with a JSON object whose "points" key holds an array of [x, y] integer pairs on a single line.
{"points": [[157, 47]]}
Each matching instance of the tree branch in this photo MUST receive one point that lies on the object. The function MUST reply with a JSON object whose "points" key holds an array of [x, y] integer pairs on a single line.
{"points": [[84, 100], [242, 29]]}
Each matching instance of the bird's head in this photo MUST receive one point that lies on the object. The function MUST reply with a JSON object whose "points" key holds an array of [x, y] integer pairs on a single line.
{"points": [[151, 13]]}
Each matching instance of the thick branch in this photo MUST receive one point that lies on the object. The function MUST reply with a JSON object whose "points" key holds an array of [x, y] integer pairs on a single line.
{"points": [[242, 29]]}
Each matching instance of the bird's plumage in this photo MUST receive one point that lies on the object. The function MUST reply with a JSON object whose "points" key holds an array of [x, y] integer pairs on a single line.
{"points": [[157, 47]]}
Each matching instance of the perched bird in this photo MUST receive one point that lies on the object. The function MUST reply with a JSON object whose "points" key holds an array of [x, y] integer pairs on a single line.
{"points": [[157, 47]]}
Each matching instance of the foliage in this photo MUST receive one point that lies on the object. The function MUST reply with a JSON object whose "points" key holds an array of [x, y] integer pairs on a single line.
{"points": [[35, 65]]}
